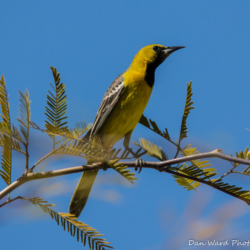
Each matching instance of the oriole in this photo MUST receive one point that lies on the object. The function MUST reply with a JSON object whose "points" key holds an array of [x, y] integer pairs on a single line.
{"points": [[121, 109]]}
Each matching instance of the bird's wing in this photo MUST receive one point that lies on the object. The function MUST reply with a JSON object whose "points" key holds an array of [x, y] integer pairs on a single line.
{"points": [[109, 101]]}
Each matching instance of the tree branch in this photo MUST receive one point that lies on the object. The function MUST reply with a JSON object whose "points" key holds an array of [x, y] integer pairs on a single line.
{"points": [[159, 166]]}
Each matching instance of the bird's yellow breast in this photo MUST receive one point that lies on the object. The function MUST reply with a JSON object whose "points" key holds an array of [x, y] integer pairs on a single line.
{"points": [[128, 111]]}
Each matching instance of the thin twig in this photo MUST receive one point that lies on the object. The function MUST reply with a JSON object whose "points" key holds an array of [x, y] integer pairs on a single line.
{"points": [[63, 134], [178, 150], [27, 158], [9, 201], [9, 133], [229, 172], [236, 172], [46, 156]]}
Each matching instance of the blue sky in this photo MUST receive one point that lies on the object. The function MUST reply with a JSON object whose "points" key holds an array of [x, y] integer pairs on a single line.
{"points": [[91, 43]]}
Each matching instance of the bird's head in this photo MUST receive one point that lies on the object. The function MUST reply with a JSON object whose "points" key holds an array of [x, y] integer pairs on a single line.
{"points": [[149, 58], [156, 53]]}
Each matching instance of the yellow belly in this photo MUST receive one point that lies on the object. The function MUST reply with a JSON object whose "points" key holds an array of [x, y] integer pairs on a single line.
{"points": [[127, 112]]}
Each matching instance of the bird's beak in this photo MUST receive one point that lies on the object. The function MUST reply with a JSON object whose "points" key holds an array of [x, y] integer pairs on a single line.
{"points": [[170, 50]]}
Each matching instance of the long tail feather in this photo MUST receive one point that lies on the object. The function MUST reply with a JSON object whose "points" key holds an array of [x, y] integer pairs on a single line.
{"points": [[83, 188], [82, 191]]}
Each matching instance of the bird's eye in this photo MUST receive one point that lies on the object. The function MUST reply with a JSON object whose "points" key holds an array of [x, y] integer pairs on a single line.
{"points": [[155, 48]]}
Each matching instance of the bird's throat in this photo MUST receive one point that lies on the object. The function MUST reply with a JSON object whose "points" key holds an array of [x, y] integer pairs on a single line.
{"points": [[145, 68], [150, 74]]}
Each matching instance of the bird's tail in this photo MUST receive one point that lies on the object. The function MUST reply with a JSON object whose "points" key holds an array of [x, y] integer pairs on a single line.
{"points": [[83, 188], [81, 194]]}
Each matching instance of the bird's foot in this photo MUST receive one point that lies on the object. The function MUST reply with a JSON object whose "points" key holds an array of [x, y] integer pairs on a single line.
{"points": [[105, 165], [138, 164]]}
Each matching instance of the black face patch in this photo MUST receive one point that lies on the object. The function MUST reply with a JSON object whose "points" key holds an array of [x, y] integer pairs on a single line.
{"points": [[159, 50], [150, 74]]}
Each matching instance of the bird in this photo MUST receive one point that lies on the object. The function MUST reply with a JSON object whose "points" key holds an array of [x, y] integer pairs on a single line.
{"points": [[121, 109]]}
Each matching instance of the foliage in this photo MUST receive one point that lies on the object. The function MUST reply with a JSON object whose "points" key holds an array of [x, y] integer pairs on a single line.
{"points": [[188, 107], [57, 107], [114, 154], [122, 170], [6, 140], [242, 155], [25, 114], [198, 169], [233, 190], [152, 150], [186, 183], [82, 231], [55, 126], [148, 123]]}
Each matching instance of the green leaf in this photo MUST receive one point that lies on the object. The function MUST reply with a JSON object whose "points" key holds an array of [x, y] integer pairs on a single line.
{"points": [[25, 114], [67, 135], [14, 144], [243, 155], [122, 170], [187, 109], [233, 190], [74, 226], [14, 133], [199, 169], [115, 154], [57, 108], [86, 150], [154, 127], [4, 103], [186, 183], [6, 161], [152, 150], [203, 165]]}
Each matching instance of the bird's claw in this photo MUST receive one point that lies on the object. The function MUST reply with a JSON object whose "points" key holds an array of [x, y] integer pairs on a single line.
{"points": [[139, 163], [105, 165]]}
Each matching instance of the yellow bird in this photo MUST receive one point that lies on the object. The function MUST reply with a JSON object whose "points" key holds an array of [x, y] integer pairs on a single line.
{"points": [[120, 111]]}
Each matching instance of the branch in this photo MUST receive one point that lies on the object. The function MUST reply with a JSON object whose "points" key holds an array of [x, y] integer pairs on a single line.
{"points": [[46, 156], [159, 166], [9, 201]]}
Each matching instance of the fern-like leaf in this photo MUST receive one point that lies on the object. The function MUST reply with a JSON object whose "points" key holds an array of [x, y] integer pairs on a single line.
{"points": [[82, 231], [14, 144], [188, 107], [57, 107], [186, 183], [80, 129], [86, 150], [5, 173], [233, 190], [25, 114], [152, 150], [67, 135], [194, 171], [14, 133], [198, 169], [115, 154], [203, 165], [122, 170], [246, 156], [190, 171], [148, 123], [4, 102]]}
